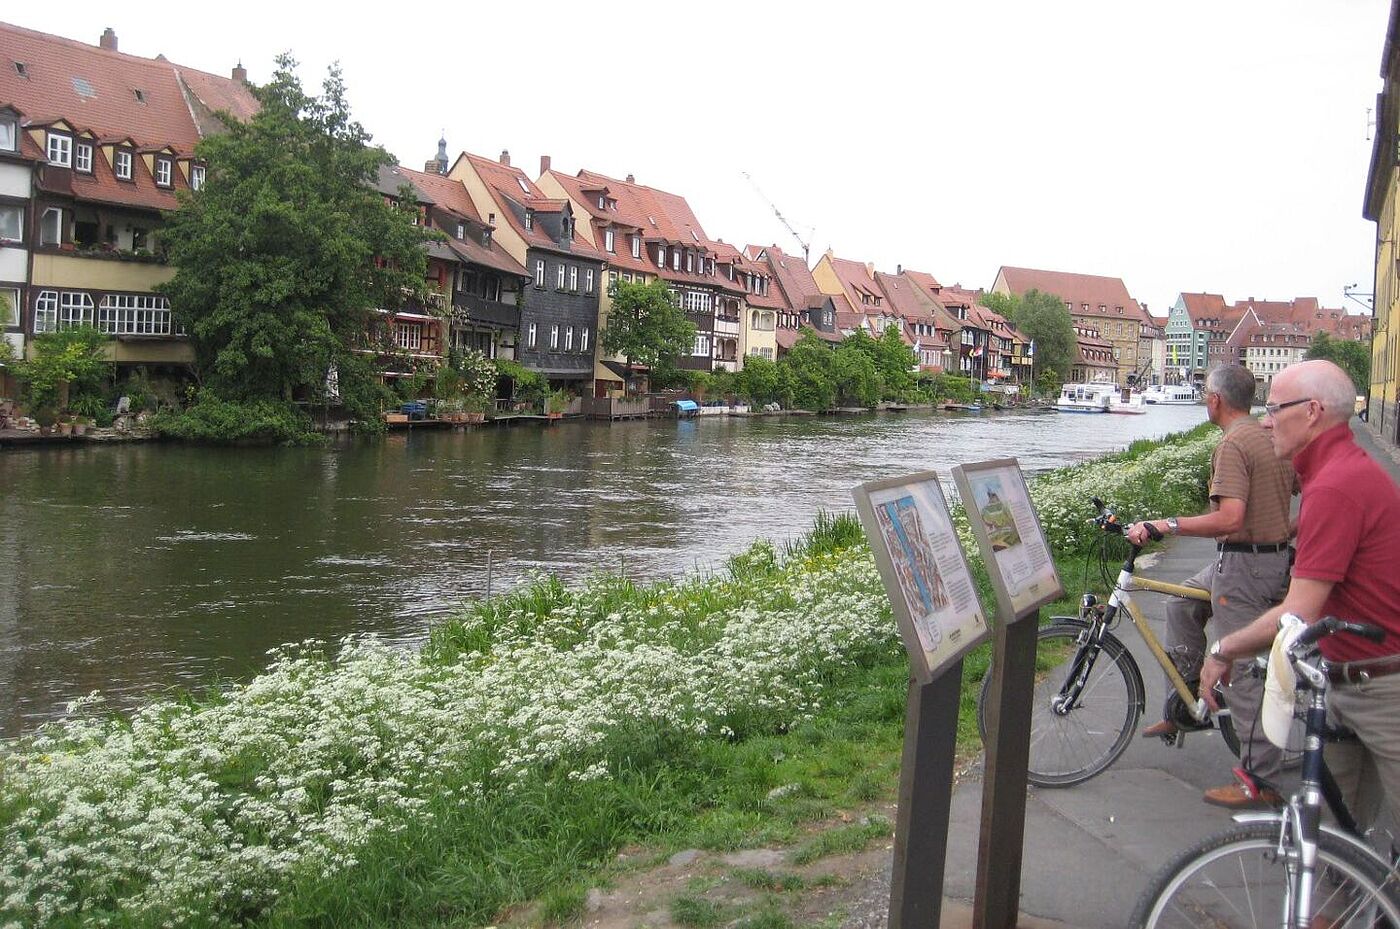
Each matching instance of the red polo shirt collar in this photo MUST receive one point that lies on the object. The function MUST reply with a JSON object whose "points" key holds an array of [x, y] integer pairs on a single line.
{"points": [[1311, 457]]}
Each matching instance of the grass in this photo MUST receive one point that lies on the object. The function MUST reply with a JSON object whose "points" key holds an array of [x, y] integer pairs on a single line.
{"points": [[842, 840], [697, 912]]}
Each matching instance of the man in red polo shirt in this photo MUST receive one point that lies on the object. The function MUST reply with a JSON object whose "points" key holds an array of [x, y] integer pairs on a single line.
{"points": [[1346, 566]]}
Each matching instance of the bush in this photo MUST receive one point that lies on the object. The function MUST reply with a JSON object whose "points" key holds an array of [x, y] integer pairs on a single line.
{"points": [[217, 421]]}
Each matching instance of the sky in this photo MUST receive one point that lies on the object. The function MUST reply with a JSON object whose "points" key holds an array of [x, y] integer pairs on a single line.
{"points": [[1192, 146]]}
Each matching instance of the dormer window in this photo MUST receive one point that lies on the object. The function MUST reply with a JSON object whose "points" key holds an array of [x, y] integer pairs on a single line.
{"points": [[9, 132], [661, 256], [529, 220], [122, 165], [602, 202], [163, 172], [461, 230], [196, 177], [689, 261], [60, 149], [82, 157], [676, 259], [608, 239], [636, 246], [486, 237]]}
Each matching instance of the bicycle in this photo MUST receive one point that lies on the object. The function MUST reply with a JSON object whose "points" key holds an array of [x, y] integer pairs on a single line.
{"points": [[1089, 693], [1285, 868]]}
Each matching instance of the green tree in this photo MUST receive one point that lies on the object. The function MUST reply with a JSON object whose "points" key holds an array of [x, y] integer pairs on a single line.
{"points": [[810, 365], [645, 325], [67, 362], [1043, 318], [1352, 357], [763, 381], [896, 362], [284, 254], [854, 373]]}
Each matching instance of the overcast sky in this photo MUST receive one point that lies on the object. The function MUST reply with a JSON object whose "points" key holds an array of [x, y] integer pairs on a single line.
{"points": [[1217, 146]]}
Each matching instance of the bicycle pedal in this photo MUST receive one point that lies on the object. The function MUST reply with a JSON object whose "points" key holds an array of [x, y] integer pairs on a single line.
{"points": [[1177, 739]]}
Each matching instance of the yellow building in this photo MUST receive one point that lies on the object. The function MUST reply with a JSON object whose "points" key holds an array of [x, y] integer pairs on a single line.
{"points": [[1380, 208]]}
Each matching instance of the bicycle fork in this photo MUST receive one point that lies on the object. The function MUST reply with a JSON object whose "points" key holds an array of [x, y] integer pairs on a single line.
{"points": [[1087, 652]]}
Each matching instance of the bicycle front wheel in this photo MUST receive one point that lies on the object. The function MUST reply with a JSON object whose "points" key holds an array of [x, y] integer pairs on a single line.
{"points": [[1240, 879], [1087, 703]]}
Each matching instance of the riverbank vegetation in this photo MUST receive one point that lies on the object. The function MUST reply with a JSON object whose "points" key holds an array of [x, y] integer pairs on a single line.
{"points": [[515, 753]]}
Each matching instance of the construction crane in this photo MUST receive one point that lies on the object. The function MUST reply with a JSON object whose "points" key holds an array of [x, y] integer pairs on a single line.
{"points": [[806, 248]]}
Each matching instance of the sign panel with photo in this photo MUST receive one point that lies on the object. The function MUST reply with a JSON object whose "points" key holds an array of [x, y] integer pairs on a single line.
{"points": [[1008, 532], [916, 549]]}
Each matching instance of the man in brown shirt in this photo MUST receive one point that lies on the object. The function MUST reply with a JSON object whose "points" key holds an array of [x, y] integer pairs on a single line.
{"points": [[1250, 495]]}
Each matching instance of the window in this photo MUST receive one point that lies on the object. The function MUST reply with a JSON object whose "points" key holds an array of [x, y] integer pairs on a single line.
{"points": [[461, 230], [661, 256], [612, 278], [702, 346], [9, 132], [583, 339], [573, 278], [559, 277], [523, 186], [554, 338], [588, 282], [9, 306], [163, 167], [675, 259], [140, 239], [627, 277], [74, 309], [602, 202], [539, 272], [82, 158], [60, 149], [636, 246], [46, 311], [530, 336], [689, 261], [607, 237], [134, 314], [529, 220], [196, 177], [568, 338], [51, 227], [11, 223], [122, 165], [408, 336]]}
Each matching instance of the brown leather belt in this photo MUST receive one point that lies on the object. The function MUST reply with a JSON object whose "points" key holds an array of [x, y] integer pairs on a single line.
{"points": [[1363, 670], [1254, 548]]}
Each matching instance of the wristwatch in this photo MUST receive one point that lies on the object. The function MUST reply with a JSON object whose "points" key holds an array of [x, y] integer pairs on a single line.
{"points": [[1216, 653], [1172, 525]]}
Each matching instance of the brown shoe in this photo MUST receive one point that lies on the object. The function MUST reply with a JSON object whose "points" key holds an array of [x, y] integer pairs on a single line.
{"points": [[1234, 797], [1160, 729]]}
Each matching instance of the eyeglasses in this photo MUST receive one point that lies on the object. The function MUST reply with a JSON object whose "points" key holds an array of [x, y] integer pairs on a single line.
{"points": [[1272, 409]]}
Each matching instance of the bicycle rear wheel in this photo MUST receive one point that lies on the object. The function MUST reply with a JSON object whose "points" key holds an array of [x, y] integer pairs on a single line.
{"points": [[1239, 879], [1073, 741]]}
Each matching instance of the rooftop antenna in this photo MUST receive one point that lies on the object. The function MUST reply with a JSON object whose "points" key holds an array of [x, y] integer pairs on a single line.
{"points": [[1356, 296], [806, 248]]}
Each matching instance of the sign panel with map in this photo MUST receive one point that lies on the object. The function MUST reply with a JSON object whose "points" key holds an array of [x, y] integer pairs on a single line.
{"points": [[916, 549], [1008, 533]]}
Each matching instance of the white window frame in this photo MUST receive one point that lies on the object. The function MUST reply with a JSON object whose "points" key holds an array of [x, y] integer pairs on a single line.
{"points": [[636, 246], [689, 261], [559, 277], [122, 165], [10, 294], [608, 239], [75, 308], [59, 149], [165, 172], [675, 259], [554, 338], [568, 338], [12, 232], [583, 340], [46, 311], [461, 230], [588, 281], [530, 336], [702, 346], [9, 133], [529, 220], [539, 273], [661, 256], [51, 232], [573, 278], [196, 177], [408, 335], [82, 157], [134, 314]]}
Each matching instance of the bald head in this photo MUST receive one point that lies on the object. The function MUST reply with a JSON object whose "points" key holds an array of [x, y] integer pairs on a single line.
{"points": [[1324, 382]]}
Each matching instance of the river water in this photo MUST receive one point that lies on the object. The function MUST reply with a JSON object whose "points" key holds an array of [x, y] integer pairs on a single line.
{"points": [[135, 568]]}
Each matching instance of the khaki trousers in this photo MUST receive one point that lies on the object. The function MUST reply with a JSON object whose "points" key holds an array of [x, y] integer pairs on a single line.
{"points": [[1242, 585], [1367, 770]]}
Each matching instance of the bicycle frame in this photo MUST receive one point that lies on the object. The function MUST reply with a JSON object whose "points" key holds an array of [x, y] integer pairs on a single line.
{"points": [[1122, 598]]}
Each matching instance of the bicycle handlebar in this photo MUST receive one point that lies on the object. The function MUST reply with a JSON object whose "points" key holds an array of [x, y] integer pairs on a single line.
{"points": [[1329, 625]]}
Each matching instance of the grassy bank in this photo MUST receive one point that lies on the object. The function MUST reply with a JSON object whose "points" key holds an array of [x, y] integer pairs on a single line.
{"points": [[529, 740]]}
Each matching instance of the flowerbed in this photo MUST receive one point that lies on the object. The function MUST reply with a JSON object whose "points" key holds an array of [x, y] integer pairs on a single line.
{"points": [[242, 807]]}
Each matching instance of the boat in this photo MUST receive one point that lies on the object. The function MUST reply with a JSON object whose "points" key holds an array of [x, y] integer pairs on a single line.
{"points": [[1086, 398], [1125, 402], [963, 407], [1177, 394]]}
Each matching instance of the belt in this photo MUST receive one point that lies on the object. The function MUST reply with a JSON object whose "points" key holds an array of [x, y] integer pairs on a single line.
{"points": [[1359, 672], [1257, 548]]}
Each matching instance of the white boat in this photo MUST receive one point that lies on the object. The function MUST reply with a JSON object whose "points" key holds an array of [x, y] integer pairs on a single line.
{"points": [[1086, 398], [1179, 394]]}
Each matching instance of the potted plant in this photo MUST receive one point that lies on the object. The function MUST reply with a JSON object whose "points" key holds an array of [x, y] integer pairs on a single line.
{"points": [[46, 416], [557, 403], [476, 407]]}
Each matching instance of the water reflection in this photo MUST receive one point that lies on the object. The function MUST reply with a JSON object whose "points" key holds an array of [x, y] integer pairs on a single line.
{"points": [[130, 569]]}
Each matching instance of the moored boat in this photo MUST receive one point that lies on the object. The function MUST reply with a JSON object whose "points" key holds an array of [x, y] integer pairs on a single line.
{"points": [[1085, 398], [1173, 394]]}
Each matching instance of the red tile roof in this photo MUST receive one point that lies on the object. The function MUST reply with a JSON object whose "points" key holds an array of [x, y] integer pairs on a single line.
{"points": [[791, 275], [1078, 289], [102, 186], [94, 88], [452, 195], [509, 185]]}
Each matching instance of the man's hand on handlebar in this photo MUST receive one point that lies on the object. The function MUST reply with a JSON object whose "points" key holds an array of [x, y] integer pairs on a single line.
{"points": [[1139, 533]]}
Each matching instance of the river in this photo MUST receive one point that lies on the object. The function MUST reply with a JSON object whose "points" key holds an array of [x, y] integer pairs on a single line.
{"points": [[131, 569]]}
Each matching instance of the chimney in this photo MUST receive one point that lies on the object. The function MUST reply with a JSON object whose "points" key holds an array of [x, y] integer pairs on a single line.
{"points": [[870, 268], [631, 179], [108, 40], [544, 164], [898, 269], [505, 157], [240, 73]]}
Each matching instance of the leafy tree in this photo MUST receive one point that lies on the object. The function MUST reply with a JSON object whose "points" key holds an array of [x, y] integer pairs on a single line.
{"points": [[65, 362], [1043, 318], [645, 324], [811, 366], [763, 381], [1352, 357], [1048, 383], [284, 254], [855, 376], [896, 362]]}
